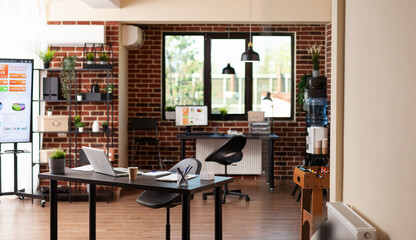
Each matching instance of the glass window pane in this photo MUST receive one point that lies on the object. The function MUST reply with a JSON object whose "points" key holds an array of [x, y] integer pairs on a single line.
{"points": [[273, 74], [184, 72], [227, 90]]}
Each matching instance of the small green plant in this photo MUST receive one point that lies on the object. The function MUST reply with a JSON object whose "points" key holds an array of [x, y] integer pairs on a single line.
{"points": [[303, 83], [170, 108], [103, 57], [314, 52], [57, 154], [47, 56], [79, 94], [80, 125], [77, 119], [49, 109], [67, 76], [223, 111], [110, 88], [90, 57], [104, 124]]}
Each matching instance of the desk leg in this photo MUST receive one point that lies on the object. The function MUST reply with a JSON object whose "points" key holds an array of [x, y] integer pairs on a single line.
{"points": [[186, 217], [183, 148], [218, 213], [270, 165], [53, 199], [92, 201]]}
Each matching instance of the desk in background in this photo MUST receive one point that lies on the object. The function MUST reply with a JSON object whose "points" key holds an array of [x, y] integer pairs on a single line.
{"points": [[268, 138], [142, 182]]}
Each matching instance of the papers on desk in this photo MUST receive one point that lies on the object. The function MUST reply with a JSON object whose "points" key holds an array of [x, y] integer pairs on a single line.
{"points": [[157, 173], [174, 177]]}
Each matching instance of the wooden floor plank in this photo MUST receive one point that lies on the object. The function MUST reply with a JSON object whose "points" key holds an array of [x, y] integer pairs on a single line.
{"points": [[267, 216]]}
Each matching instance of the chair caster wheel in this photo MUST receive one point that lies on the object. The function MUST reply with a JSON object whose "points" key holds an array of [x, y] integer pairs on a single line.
{"points": [[21, 197], [247, 199], [42, 203], [224, 201], [204, 197]]}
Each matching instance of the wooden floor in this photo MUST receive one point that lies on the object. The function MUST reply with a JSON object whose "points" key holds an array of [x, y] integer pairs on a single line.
{"points": [[267, 216]]}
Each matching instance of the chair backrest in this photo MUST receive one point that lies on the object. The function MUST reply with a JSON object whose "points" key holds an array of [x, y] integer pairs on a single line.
{"points": [[144, 124], [228, 152], [195, 163]]}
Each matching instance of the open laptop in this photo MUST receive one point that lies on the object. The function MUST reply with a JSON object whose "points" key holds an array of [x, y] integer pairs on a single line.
{"points": [[100, 163]]}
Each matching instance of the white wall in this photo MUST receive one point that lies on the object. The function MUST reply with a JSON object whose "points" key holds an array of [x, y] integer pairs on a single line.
{"points": [[195, 11], [380, 114]]}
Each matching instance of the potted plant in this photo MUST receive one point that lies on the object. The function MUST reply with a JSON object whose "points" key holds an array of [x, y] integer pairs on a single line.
{"points": [[80, 126], [79, 97], [303, 83], [77, 120], [103, 58], [49, 112], [110, 88], [170, 113], [105, 126], [90, 58], [223, 112], [314, 52], [57, 162], [46, 56], [67, 76]]}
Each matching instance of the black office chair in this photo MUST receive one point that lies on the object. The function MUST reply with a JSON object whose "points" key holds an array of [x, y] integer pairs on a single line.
{"points": [[145, 124], [228, 153], [155, 199]]}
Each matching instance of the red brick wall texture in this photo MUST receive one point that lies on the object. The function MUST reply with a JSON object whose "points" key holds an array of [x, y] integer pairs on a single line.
{"points": [[145, 93]]}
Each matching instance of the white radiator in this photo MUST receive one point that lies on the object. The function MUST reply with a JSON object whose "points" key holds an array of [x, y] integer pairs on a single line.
{"points": [[250, 164], [347, 224]]}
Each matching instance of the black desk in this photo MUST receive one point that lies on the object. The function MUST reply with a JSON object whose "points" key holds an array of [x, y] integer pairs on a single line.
{"points": [[142, 182], [270, 142]]}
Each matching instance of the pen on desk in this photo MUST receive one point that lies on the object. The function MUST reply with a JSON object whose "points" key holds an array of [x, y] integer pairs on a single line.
{"points": [[186, 170], [180, 172], [189, 170]]}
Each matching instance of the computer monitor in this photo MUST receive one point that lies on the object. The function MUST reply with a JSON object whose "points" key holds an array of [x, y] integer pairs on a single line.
{"points": [[189, 116]]}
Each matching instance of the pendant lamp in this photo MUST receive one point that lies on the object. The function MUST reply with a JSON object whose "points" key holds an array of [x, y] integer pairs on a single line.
{"points": [[228, 69], [250, 55]]}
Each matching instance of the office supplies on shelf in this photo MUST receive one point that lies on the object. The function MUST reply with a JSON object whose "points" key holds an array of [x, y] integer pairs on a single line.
{"points": [[157, 173], [174, 177]]}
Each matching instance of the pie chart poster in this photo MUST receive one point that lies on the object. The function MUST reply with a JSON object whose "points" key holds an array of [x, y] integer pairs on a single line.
{"points": [[15, 100]]}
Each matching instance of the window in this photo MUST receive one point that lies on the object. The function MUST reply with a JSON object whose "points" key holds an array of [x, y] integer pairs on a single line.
{"points": [[193, 64]]}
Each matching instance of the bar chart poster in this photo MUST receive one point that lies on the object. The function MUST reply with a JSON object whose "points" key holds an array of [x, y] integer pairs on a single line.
{"points": [[15, 100]]}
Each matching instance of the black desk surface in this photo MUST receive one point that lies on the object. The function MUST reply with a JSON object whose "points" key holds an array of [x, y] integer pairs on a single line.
{"points": [[142, 182], [225, 136]]}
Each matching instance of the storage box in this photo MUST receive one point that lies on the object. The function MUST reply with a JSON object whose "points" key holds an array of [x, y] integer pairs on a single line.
{"points": [[53, 123], [96, 96]]}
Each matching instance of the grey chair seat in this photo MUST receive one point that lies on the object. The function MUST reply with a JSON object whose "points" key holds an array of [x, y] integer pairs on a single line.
{"points": [[154, 199]]}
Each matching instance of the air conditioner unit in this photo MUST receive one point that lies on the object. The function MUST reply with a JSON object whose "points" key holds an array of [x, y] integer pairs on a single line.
{"points": [[74, 35], [132, 36]]}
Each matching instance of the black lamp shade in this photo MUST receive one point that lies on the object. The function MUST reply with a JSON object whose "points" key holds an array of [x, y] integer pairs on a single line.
{"points": [[250, 55], [228, 70]]}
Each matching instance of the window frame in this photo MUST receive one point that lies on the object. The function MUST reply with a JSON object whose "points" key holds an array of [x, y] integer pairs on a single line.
{"points": [[208, 36]]}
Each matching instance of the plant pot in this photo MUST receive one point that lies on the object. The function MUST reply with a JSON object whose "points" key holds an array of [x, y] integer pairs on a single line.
{"points": [[315, 73], [80, 129], [46, 65], [57, 166], [170, 115], [105, 128], [49, 113], [79, 97], [90, 62], [103, 62]]}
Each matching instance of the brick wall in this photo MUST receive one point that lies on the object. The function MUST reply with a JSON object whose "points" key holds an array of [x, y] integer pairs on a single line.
{"points": [[88, 111], [145, 93]]}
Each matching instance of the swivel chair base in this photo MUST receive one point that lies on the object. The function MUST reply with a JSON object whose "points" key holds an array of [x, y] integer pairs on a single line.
{"points": [[226, 192]]}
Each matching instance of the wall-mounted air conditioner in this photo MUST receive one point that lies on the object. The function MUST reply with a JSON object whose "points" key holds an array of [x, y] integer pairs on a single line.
{"points": [[132, 36], [74, 35]]}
